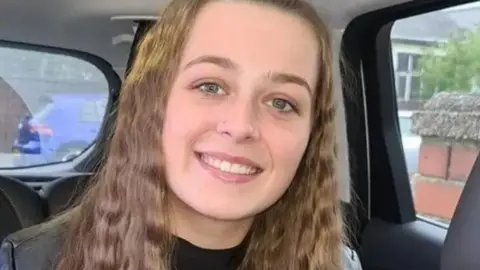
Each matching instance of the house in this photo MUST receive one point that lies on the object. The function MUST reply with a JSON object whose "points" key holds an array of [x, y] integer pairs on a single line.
{"points": [[12, 110], [411, 36]]}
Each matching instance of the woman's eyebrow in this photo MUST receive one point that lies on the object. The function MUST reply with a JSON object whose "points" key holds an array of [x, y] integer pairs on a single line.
{"points": [[220, 61], [274, 76], [285, 78]]}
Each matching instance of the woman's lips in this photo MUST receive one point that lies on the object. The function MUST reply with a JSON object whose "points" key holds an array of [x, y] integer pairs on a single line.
{"points": [[229, 169]]}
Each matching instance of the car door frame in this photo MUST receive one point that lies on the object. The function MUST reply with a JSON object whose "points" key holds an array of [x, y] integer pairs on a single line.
{"points": [[389, 234]]}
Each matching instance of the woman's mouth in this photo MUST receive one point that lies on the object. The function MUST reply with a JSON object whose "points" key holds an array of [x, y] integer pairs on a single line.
{"points": [[228, 168]]}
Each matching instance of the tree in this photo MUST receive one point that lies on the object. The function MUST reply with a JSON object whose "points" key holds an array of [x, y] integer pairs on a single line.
{"points": [[453, 65]]}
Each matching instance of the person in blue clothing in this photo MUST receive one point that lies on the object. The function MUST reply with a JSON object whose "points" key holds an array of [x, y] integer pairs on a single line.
{"points": [[27, 140], [223, 155]]}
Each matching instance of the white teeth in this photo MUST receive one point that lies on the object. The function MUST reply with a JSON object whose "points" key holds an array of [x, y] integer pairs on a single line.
{"points": [[228, 167]]}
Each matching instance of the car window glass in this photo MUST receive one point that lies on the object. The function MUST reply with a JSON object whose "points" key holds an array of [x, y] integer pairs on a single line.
{"points": [[93, 111], [405, 126], [51, 107], [436, 59]]}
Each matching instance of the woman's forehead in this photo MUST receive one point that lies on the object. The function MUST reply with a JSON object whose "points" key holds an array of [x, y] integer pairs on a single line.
{"points": [[254, 35]]}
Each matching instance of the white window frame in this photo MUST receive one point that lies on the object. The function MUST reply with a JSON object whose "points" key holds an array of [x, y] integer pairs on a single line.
{"points": [[409, 74]]}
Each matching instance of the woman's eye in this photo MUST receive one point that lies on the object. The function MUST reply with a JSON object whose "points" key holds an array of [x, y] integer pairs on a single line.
{"points": [[282, 105], [211, 89]]}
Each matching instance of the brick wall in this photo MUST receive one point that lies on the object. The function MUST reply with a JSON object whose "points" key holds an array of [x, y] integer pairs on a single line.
{"points": [[443, 168]]}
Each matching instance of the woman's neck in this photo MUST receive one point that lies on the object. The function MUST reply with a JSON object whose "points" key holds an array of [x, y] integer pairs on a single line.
{"points": [[206, 232]]}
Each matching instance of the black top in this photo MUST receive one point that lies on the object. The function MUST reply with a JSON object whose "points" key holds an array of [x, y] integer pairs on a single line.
{"points": [[37, 248], [190, 257]]}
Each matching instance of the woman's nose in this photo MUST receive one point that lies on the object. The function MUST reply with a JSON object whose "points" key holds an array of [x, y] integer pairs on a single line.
{"points": [[239, 122]]}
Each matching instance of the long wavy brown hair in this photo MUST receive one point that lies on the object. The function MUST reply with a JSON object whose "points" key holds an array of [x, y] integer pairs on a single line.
{"points": [[122, 221]]}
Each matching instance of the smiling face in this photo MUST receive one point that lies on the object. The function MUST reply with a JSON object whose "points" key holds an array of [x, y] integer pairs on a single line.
{"points": [[238, 116]]}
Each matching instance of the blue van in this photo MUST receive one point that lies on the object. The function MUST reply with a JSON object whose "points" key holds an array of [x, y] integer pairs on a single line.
{"points": [[65, 126]]}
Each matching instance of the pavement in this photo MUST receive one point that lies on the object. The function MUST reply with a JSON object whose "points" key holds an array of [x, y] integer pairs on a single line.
{"points": [[7, 160]]}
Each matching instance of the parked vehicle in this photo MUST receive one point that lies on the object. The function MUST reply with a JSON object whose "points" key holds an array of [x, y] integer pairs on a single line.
{"points": [[61, 130], [411, 142]]}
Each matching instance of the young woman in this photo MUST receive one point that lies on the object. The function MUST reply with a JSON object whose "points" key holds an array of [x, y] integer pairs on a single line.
{"points": [[223, 155]]}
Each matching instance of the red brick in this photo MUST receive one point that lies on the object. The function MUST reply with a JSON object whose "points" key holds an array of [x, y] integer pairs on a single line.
{"points": [[437, 198], [433, 159], [462, 159]]}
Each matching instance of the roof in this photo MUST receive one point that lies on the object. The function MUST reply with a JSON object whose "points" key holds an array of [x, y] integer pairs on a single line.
{"points": [[436, 26], [466, 18]]}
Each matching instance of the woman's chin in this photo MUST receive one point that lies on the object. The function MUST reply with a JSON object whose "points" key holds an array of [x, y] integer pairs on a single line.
{"points": [[225, 212], [216, 209]]}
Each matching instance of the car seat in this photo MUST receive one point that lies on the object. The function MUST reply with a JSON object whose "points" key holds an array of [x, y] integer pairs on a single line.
{"points": [[462, 244], [63, 192], [20, 206]]}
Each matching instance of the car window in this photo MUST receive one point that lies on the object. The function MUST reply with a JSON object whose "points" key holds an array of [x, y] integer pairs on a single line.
{"points": [[436, 58], [405, 125], [51, 107], [93, 111]]}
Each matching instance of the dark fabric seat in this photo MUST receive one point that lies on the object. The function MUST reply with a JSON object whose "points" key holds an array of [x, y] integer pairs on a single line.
{"points": [[20, 206], [462, 244], [63, 192]]}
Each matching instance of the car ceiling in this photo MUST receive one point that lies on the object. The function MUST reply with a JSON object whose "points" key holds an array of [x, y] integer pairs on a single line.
{"points": [[87, 25]]}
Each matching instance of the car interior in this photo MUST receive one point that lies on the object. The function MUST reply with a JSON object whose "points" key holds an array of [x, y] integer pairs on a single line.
{"points": [[388, 230]]}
